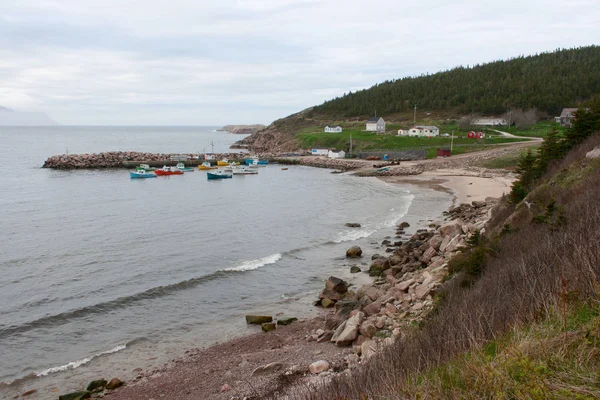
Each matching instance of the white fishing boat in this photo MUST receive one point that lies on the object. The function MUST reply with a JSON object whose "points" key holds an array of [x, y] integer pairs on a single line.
{"points": [[245, 171]]}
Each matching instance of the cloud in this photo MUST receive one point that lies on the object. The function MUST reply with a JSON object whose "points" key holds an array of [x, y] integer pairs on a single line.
{"points": [[201, 62]]}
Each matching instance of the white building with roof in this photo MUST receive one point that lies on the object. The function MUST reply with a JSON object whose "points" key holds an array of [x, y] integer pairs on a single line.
{"points": [[375, 124], [319, 152], [336, 154], [424, 131], [333, 129]]}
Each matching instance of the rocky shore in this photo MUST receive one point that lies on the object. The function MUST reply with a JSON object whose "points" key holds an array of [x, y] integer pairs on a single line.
{"points": [[354, 324], [242, 129]]}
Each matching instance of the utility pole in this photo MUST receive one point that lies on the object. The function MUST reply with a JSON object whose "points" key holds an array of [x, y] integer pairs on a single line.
{"points": [[350, 142], [451, 142], [212, 144], [415, 115]]}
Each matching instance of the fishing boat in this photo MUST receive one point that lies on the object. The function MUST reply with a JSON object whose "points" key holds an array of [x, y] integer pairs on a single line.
{"points": [[256, 161], [218, 174], [284, 169], [145, 167], [206, 166], [223, 162], [181, 166], [244, 171], [168, 171], [141, 174]]}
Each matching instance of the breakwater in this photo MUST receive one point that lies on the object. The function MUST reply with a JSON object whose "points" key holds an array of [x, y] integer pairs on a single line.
{"points": [[127, 159]]}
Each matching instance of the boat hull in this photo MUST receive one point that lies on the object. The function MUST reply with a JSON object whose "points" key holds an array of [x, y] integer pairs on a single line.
{"points": [[212, 176], [134, 175], [203, 168], [163, 173]]}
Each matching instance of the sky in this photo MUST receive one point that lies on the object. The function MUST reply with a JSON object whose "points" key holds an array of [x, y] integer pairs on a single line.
{"points": [[197, 62]]}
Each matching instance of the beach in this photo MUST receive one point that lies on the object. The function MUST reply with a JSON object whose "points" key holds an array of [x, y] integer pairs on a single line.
{"points": [[277, 363]]}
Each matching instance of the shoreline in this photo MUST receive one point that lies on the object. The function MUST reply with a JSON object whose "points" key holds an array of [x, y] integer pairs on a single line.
{"points": [[287, 339], [272, 362]]}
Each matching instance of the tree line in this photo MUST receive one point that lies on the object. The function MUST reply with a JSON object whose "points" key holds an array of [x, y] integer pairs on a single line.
{"points": [[547, 82]]}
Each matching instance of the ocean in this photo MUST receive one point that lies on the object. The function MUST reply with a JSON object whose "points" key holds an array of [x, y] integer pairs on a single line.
{"points": [[101, 274]]}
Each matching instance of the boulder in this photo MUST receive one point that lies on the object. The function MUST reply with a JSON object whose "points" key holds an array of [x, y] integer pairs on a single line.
{"points": [[429, 254], [258, 319], [347, 332], [268, 326], [367, 329], [330, 294], [76, 396], [378, 266], [265, 369], [318, 366], [96, 386], [344, 308], [352, 225], [373, 308], [354, 269], [452, 228], [286, 320], [404, 225], [336, 284], [435, 242], [478, 203], [354, 252], [326, 303], [594, 153], [114, 383], [375, 256], [368, 348], [421, 292]]}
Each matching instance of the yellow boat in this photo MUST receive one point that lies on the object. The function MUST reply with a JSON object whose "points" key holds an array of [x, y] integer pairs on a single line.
{"points": [[222, 163], [206, 165]]}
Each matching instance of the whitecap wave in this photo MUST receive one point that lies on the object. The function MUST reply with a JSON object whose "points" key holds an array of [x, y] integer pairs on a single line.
{"points": [[79, 363], [255, 264], [347, 236]]}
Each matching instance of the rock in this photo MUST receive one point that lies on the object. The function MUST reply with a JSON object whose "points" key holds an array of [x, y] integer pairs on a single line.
{"points": [[352, 225], [445, 243], [354, 252], [373, 293], [324, 337], [336, 284], [344, 308], [367, 329], [29, 392], [286, 320], [375, 256], [114, 383], [386, 242], [265, 369], [421, 292], [373, 308], [354, 269], [594, 153], [326, 303], [96, 386], [403, 286], [347, 332], [478, 204], [225, 388], [404, 225], [258, 319], [428, 255], [268, 326], [318, 366], [378, 266], [436, 241], [451, 228], [76, 396], [368, 348]]}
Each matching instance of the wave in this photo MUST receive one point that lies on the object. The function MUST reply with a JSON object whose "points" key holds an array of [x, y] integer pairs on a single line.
{"points": [[255, 264], [79, 363], [152, 293]]}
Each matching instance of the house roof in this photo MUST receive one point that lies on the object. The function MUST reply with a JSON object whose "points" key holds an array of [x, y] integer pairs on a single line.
{"points": [[567, 112], [373, 119], [337, 126], [430, 127]]}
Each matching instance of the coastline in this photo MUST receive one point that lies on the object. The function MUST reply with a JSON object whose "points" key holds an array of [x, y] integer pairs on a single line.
{"points": [[263, 364]]}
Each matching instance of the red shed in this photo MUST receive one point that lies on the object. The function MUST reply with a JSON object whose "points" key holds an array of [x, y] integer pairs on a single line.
{"points": [[471, 135], [444, 153], [479, 135]]}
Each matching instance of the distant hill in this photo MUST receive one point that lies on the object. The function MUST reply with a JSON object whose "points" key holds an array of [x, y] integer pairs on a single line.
{"points": [[546, 81], [10, 117]]}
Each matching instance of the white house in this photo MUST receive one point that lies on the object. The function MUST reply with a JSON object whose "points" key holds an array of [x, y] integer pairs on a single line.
{"points": [[320, 152], [375, 124], [403, 132], [566, 116], [424, 130], [333, 129], [338, 154]]}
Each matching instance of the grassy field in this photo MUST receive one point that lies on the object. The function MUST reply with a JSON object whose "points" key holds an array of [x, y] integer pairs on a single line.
{"points": [[540, 129], [361, 140]]}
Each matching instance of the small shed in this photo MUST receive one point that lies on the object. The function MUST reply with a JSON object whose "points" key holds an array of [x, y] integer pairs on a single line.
{"points": [[336, 154], [319, 152], [443, 153]]}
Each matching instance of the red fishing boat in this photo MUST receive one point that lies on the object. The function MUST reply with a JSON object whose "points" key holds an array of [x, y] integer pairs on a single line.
{"points": [[168, 171]]}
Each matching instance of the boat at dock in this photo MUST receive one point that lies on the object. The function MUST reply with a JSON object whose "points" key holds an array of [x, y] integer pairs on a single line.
{"points": [[218, 174], [256, 161], [168, 171], [206, 166], [181, 166], [222, 163], [141, 174]]}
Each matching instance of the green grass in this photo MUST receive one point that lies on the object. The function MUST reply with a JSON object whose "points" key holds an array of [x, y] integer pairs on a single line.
{"points": [[508, 161], [312, 137], [540, 129]]}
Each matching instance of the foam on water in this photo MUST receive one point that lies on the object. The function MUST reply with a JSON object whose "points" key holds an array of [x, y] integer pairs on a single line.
{"points": [[79, 363], [255, 264]]}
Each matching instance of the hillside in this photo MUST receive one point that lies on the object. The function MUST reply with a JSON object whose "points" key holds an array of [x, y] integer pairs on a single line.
{"points": [[547, 81]]}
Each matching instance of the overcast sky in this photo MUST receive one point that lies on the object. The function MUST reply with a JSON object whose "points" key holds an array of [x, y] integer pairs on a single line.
{"points": [[197, 62]]}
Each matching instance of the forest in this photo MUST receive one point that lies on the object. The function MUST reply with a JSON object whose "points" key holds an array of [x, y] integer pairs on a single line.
{"points": [[547, 82]]}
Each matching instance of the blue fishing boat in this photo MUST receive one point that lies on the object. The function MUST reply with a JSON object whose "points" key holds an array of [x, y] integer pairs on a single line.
{"points": [[218, 174], [141, 174], [181, 166], [254, 161]]}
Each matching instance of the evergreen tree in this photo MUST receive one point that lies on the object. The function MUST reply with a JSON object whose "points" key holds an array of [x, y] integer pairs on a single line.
{"points": [[550, 150], [527, 171], [586, 122]]}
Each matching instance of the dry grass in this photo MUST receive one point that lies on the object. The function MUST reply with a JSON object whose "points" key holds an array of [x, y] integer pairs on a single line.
{"points": [[535, 269]]}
